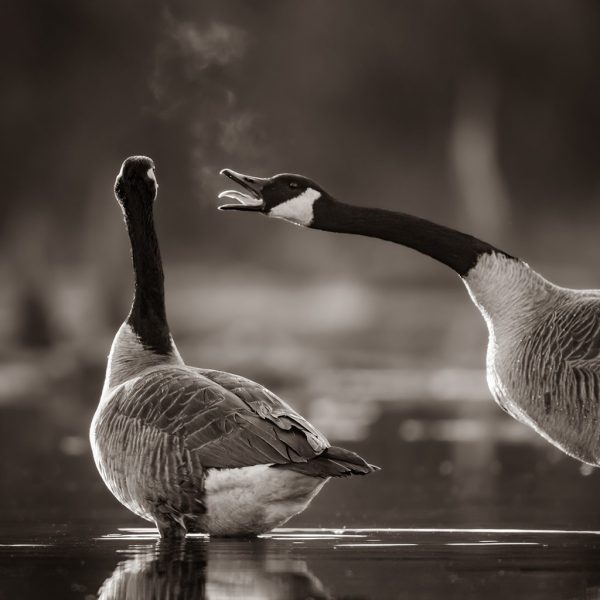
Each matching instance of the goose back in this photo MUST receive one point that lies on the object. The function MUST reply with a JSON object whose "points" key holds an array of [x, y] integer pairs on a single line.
{"points": [[165, 428]]}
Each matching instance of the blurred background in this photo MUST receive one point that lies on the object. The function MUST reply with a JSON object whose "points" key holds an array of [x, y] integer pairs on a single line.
{"points": [[484, 116]]}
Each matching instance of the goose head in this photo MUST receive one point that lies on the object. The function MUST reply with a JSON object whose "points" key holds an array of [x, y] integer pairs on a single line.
{"points": [[136, 184], [284, 196]]}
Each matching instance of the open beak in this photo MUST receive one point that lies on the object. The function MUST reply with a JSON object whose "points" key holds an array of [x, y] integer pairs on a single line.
{"points": [[251, 199]]}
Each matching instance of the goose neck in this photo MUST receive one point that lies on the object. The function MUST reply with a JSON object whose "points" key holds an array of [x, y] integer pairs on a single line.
{"points": [[457, 250], [148, 318], [508, 293]]}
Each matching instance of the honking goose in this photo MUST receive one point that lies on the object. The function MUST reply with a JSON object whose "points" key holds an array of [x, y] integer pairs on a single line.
{"points": [[543, 357]]}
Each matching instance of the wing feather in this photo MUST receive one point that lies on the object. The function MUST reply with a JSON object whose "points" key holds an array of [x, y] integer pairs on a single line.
{"points": [[267, 405], [225, 421]]}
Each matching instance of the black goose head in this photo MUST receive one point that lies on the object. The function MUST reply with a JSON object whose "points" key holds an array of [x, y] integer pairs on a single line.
{"points": [[136, 185], [284, 196]]}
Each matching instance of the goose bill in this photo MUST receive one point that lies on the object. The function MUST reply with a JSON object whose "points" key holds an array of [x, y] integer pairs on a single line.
{"points": [[251, 199], [244, 201]]}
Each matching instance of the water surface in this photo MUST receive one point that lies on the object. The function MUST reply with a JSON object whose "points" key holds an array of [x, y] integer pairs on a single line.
{"points": [[468, 504], [304, 563]]}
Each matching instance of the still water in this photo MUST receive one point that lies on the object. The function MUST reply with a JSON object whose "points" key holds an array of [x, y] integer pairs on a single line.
{"points": [[468, 504], [305, 563], [464, 507]]}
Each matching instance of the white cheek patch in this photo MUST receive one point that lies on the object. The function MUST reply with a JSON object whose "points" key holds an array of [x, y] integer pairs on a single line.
{"points": [[150, 173], [298, 210]]}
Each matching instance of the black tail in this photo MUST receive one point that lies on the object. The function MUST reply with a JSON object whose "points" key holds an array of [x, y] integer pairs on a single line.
{"points": [[334, 462]]}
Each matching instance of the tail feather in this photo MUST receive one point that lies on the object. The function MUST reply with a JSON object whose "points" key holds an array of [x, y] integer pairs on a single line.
{"points": [[333, 462]]}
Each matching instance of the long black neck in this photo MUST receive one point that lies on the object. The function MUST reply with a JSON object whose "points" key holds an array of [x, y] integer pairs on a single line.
{"points": [[148, 317], [457, 250]]}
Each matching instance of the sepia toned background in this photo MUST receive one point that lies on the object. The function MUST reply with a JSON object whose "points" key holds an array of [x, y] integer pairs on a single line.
{"points": [[484, 116]]}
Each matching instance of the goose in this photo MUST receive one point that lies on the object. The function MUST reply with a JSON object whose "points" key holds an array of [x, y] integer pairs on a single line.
{"points": [[196, 450], [543, 355]]}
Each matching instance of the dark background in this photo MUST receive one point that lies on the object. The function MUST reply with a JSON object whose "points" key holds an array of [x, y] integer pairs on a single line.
{"points": [[481, 115]]}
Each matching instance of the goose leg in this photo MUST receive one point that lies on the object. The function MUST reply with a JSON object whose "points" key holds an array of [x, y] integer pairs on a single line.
{"points": [[169, 529]]}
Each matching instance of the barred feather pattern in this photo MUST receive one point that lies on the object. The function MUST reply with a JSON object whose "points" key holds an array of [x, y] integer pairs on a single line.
{"points": [[543, 360], [148, 470], [161, 431], [267, 405], [193, 448]]}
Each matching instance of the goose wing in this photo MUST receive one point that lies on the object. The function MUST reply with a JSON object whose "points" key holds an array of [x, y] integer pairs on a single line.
{"points": [[221, 428], [267, 405]]}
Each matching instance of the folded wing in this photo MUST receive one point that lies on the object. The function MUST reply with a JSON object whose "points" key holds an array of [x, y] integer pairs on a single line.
{"points": [[224, 421]]}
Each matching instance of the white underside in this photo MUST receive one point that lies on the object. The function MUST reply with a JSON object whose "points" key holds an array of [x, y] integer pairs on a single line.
{"points": [[251, 500]]}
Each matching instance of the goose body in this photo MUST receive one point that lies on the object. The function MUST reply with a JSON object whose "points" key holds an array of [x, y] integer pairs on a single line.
{"points": [[193, 449], [543, 357]]}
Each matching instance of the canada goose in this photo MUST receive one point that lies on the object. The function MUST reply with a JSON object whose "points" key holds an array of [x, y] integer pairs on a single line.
{"points": [[543, 358], [195, 449]]}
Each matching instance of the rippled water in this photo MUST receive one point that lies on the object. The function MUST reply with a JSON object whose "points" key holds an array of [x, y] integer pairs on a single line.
{"points": [[305, 563]]}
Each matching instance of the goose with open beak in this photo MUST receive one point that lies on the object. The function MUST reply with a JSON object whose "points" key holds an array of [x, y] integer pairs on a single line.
{"points": [[244, 201]]}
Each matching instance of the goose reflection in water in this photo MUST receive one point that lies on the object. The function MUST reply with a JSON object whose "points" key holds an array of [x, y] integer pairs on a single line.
{"points": [[198, 568]]}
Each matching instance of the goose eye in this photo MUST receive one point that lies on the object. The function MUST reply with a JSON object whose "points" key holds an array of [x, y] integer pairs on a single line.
{"points": [[293, 185]]}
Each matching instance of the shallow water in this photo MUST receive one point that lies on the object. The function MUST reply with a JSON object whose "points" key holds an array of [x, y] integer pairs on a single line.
{"points": [[304, 563], [482, 513], [468, 504]]}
